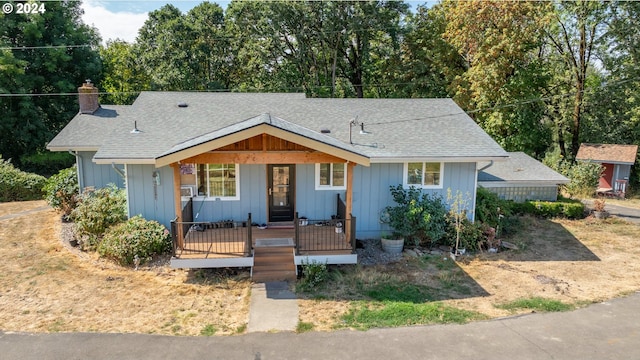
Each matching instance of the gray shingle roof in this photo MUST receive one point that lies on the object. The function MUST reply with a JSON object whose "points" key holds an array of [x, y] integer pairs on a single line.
{"points": [[89, 131], [399, 128], [258, 120], [520, 167]]}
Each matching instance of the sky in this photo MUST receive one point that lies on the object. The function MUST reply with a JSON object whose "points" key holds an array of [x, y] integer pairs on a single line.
{"points": [[123, 18]]}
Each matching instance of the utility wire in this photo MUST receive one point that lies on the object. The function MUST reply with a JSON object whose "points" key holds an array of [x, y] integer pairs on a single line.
{"points": [[513, 104], [44, 47]]}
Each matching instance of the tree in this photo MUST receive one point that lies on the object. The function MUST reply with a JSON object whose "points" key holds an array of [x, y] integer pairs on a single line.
{"points": [[352, 27], [209, 60], [498, 44], [577, 32], [43, 54], [123, 76], [163, 49], [429, 63]]}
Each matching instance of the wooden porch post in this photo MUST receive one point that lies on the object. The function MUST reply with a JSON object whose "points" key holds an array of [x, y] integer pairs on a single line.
{"points": [[177, 202], [349, 198]]}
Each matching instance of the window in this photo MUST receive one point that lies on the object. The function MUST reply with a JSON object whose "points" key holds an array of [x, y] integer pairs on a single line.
{"points": [[218, 181], [423, 174], [331, 176]]}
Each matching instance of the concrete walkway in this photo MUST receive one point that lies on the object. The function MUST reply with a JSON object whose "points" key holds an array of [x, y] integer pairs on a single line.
{"points": [[273, 308], [610, 330]]}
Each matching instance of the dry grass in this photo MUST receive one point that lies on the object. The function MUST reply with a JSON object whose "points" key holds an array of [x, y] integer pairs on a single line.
{"points": [[46, 286], [576, 262], [15, 207]]}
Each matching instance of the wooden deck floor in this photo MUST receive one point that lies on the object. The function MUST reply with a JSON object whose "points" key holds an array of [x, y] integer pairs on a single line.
{"points": [[230, 243]]}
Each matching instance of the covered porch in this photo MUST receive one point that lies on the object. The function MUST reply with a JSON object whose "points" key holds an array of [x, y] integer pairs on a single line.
{"points": [[233, 244], [265, 166]]}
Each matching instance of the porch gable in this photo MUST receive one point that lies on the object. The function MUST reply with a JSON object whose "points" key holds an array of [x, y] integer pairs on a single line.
{"points": [[289, 134]]}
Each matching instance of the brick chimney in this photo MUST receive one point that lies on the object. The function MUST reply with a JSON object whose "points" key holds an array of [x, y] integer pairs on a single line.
{"points": [[88, 98]]}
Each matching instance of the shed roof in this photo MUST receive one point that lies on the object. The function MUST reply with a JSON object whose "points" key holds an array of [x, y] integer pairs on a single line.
{"points": [[397, 128], [608, 153], [521, 168]]}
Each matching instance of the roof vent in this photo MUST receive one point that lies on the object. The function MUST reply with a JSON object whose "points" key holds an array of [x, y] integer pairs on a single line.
{"points": [[183, 104], [325, 131], [135, 128]]}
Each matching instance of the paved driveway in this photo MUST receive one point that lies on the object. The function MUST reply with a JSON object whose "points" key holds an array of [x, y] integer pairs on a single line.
{"points": [[623, 212]]}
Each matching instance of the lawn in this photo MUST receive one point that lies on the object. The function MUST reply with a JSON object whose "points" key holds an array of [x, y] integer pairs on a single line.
{"points": [[47, 286]]}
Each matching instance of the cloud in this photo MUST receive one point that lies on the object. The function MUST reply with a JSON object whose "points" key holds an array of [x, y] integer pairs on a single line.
{"points": [[112, 25]]}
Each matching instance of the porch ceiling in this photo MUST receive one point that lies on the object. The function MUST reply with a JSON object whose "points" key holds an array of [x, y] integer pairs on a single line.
{"points": [[306, 146]]}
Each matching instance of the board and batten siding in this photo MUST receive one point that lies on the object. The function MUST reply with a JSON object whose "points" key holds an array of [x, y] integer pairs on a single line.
{"points": [[95, 175], [371, 191], [253, 199], [145, 198], [370, 194], [311, 203]]}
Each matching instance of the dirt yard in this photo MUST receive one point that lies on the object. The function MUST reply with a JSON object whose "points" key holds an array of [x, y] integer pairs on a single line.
{"points": [[47, 286]]}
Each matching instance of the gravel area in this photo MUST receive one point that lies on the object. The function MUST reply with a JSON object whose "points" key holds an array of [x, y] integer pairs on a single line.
{"points": [[370, 253]]}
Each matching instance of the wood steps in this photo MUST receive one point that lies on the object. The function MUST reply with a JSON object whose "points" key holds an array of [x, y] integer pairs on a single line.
{"points": [[273, 263]]}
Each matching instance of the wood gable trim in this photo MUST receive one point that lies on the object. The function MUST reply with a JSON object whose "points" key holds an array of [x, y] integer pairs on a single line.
{"points": [[256, 157], [315, 148]]}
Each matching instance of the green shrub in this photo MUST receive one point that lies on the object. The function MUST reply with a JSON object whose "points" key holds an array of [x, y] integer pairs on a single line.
{"points": [[469, 234], [136, 236], [489, 207], [47, 163], [571, 209], [96, 212], [61, 191], [583, 176], [313, 275], [417, 216], [18, 185]]}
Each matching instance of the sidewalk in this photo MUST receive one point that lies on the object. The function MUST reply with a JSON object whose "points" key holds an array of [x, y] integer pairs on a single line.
{"points": [[273, 308]]}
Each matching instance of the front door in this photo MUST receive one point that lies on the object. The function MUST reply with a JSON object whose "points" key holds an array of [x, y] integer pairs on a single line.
{"points": [[281, 180]]}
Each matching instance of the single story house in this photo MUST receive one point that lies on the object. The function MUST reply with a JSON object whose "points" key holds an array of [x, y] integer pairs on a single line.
{"points": [[616, 161], [521, 178], [214, 166]]}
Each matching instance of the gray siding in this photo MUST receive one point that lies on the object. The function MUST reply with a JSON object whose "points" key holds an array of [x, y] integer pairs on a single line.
{"points": [[253, 199], [621, 172], [370, 194], [312, 203], [98, 176], [153, 202], [371, 191]]}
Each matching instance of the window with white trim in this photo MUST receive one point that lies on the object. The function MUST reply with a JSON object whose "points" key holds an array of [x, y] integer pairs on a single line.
{"points": [[331, 176], [219, 181], [426, 175]]}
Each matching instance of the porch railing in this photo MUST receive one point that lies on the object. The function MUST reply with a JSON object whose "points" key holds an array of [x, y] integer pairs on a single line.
{"points": [[324, 235], [235, 238], [229, 237]]}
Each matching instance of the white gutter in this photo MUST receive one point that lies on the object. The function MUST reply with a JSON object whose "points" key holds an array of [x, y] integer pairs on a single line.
{"points": [[464, 159]]}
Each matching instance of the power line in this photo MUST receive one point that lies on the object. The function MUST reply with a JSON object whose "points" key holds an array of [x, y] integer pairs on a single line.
{"points": [[44, 47], [496, 107]]}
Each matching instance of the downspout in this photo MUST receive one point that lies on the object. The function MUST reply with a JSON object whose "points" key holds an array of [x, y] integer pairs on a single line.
{"points": [[79, 172], [113, 165], [490, 164]]}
